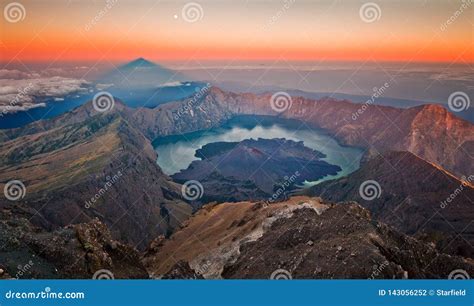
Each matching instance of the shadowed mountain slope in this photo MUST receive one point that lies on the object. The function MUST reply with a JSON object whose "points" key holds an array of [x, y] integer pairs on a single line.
{"points": [[415, 197], [87, 164]]}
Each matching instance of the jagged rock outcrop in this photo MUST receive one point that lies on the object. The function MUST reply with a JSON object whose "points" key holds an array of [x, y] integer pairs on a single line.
{"points": [[343, 242], [75, 251], [182, 270]]}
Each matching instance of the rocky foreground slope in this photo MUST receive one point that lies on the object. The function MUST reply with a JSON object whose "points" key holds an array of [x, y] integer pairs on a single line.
{"points": [[302, 237], [76, 251]]}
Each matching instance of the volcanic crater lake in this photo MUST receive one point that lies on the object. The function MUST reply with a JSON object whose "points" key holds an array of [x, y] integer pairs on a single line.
{"points": [[176, 152]]}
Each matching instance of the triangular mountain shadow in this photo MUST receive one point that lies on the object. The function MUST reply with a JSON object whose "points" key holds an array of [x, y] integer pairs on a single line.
{"points": [[140, 73]]}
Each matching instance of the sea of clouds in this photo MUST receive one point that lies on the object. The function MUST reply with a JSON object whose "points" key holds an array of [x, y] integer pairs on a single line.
{"points": [[20, 90]]}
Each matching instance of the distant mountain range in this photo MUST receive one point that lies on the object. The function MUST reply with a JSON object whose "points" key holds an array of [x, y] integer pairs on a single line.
{"points": [[87, 164], [467, 114]]}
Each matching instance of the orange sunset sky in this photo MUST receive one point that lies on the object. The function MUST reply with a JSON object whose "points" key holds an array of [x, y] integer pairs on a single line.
{"points": [[55, 30]]}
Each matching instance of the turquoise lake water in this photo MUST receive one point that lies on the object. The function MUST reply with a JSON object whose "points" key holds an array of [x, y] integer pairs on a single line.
{"points": [[177, 152]]}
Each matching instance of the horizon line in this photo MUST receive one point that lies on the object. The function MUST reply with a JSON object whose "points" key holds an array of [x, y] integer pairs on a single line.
{"points": [[151, 59]]}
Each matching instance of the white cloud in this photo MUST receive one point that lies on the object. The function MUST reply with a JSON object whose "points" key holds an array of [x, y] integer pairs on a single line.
{"points": [[175, 84], [14, 74], [5, 109], [21, 91], [103, 86], [452, 76]]}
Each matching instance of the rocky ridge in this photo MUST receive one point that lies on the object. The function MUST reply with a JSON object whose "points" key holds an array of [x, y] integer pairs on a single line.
{"points": [[306, 237], [75, 251], [87, 164]]}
